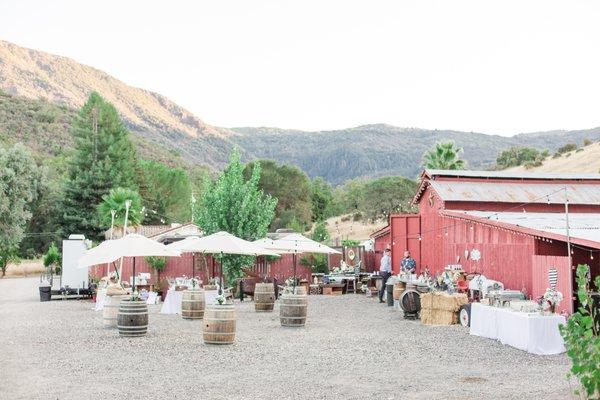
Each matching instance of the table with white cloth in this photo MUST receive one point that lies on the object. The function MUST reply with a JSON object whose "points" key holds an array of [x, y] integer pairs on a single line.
{"points": [[174, 298], [100, 299], [531, 332], [172, 303]]}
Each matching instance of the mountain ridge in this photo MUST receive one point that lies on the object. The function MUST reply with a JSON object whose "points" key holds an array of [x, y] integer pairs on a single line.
{"points": [[369, 150]]}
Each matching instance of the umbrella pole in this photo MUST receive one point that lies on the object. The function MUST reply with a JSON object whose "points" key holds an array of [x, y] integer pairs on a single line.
{"points": [[221, 286], [133, 286], [294, 257], [193, 264]]}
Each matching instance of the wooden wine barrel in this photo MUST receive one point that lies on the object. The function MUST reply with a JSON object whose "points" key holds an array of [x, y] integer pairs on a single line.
{"points": [[132, 320], [219, 324], [410, 302], [301, 290], [399, 287], [264, 297], [192, 304], [292, 310], [111, 309]]}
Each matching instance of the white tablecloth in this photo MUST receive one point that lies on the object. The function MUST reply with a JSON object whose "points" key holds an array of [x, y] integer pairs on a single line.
{"points": [[100, 299], [172, 304], [534, 333]]}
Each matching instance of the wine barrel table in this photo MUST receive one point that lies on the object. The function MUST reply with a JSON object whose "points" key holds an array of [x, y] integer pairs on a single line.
{"points": [[132, 320], [264, 297], [192, 304], [292, 310], [219, 324], [110, 310], [410, 302]]}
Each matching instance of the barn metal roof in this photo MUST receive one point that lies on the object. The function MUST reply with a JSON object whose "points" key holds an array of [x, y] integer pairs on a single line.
{"points": [[583, 226], [516, 192], [510, 174]]}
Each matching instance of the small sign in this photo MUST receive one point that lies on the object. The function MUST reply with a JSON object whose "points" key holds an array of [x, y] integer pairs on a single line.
{"points": [[552, 277]]}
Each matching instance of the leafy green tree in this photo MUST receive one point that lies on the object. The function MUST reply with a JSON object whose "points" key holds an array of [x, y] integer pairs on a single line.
{"points": [[238, 206], [166, 192], [52, 257], [321, 197], [384, 196], [116, 199], [582, 336], [348, 198], [516, 156], [19, 182], [158, 264], [44, 226], [292, 189], [320, 233], [444, 155], [103, 158], [295, 225], [565, 149]]}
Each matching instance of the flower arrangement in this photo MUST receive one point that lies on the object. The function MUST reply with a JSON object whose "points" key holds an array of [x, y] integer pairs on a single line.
{"points": [[343, 268], [196, 282], [220, 300], [551, 299], [292, 281]]}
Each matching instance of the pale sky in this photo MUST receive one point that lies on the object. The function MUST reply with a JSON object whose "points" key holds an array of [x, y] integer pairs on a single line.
{"points": [[500, 67]]}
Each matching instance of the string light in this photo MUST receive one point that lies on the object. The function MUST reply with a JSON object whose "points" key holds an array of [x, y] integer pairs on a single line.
{"points": [[591, 255]]}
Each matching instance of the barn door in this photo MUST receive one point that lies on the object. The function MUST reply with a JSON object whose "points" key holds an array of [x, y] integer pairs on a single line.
{"points": [[547, 269]]}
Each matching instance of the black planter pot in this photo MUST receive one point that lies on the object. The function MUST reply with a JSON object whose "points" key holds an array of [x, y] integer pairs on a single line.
{"points": [[45, 293]]}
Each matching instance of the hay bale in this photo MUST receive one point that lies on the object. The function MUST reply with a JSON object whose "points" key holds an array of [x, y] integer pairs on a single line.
{"points": [[440, 308]]}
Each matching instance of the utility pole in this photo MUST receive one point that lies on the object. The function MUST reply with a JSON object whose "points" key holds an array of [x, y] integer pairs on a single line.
{"points": [[568, 239]]}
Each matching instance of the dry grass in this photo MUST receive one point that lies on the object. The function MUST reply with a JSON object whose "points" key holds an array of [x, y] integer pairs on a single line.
{"points": [[586, 160], [343, 227], [25, 268]]}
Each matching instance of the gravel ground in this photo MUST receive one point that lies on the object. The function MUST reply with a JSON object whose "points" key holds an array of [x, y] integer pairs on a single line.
{"points": [[352, 347]]}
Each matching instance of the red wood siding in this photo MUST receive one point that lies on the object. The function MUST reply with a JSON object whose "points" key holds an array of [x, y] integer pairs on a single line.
{"points": [[540, 267], [405, 231], [379, 245]]}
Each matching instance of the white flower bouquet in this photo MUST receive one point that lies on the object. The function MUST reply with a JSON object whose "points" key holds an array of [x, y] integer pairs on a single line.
{"points": [[220, 300], [552, 298]]}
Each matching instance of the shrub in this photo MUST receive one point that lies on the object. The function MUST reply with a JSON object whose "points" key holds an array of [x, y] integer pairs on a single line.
{"points": [[587, 142], [565, 149], [52, 258], [357, 216], [350, 243], [316, 262], [582, 336]]}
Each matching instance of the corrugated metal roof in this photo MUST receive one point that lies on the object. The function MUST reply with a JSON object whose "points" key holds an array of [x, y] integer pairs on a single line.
{"points": [[511, 175], [582, 225], [517, 192]]}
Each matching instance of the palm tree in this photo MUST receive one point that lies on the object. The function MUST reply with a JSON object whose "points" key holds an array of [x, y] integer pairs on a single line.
{"points": [[115, 200], [444, 156]]}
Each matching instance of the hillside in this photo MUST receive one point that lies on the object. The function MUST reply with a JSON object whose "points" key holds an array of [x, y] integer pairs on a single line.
{"points": [[378, 150], [38, 75], [585, 159], [163, 130], [45, 128]]}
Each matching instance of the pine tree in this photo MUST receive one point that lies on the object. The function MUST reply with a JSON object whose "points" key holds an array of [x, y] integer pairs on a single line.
{"points": [[103, 158]]}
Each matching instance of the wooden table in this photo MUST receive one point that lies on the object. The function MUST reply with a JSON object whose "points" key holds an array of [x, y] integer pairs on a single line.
{"points": [[333, 288]]}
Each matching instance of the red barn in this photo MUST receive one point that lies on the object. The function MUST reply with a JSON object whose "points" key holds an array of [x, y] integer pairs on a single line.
{"points": [[511, 227]]}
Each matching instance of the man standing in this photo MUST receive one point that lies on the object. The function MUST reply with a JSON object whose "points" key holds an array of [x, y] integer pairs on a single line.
{"points": [[408, 264], [385, 270]]}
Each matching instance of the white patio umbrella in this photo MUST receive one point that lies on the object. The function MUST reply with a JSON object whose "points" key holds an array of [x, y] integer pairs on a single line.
{"points": [[294, 243], [132, 245], [221, 243]]}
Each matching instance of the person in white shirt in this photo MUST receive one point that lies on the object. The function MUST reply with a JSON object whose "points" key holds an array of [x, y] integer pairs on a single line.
{"points": [[385, 271]]}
